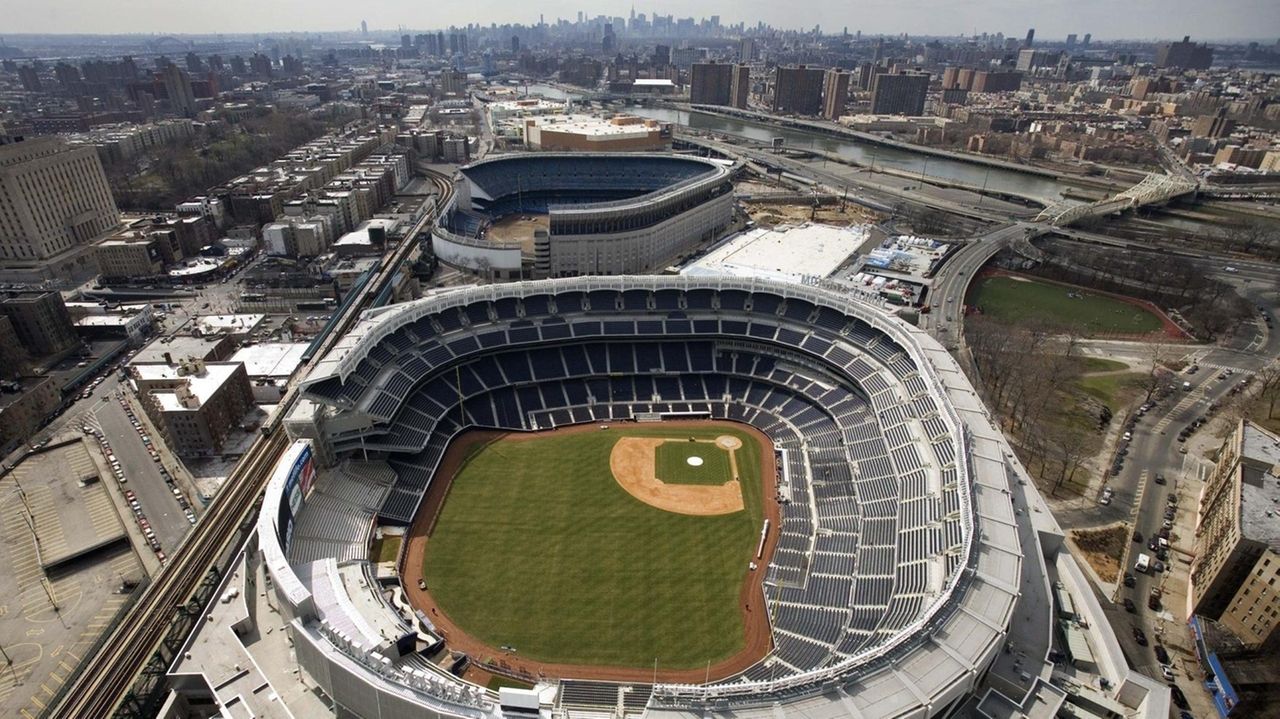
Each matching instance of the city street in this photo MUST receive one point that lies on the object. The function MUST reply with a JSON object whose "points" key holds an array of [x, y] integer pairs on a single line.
{"points": [[143, 473]]}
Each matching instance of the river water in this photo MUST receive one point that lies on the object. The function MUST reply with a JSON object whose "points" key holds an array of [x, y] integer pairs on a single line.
{"points": [[968, 173]]}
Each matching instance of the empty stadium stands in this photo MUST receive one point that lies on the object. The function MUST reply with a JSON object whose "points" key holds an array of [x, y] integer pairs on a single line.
{"points": [[876, 526]]}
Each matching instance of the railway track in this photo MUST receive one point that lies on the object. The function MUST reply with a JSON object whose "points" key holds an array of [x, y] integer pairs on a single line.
{"points": [[106, 677]]}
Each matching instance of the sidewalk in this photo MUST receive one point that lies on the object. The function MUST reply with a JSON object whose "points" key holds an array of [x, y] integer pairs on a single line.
{"points": [[1170, 627]]}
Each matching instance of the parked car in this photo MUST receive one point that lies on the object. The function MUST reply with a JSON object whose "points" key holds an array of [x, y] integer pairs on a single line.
{"points": [[1162, 654], [1129, 606], [1140, 637], [1179, 699], [1129, 579], [1160, 479], [1167, 672]]}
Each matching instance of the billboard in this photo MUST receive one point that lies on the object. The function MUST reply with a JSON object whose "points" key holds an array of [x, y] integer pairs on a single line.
{"points": [[302, 474]]}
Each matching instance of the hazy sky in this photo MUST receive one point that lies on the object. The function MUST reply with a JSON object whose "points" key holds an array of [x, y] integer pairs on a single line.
{"points": [[1207, 19]]}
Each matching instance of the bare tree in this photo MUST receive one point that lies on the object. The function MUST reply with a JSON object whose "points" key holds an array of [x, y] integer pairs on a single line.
{"points": [[1157, 375], [1269, 387]]}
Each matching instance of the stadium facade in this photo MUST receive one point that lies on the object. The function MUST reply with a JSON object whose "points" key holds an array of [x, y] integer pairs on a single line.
{"points": [[609, 213]]}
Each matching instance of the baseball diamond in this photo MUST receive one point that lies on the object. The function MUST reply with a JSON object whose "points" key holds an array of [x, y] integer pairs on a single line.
{"points": [[577, 570]]}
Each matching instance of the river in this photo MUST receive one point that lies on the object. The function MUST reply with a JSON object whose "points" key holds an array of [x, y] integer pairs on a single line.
{"points": [[968, 173]]}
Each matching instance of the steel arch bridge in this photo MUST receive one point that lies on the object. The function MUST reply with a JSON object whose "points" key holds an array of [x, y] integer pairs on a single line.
{"points": [[1153, 189]]}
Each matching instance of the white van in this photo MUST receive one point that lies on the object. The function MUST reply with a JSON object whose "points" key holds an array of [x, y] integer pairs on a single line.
{"points": [[1143, 564]]}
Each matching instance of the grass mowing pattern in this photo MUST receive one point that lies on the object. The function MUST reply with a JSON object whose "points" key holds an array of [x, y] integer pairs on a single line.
{"points": [[537, 547], [1014, 300], [673, 467]]}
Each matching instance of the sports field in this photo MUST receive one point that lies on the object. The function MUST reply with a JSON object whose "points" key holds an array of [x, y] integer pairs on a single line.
{"points": [[539, 547], [1018, 300]]}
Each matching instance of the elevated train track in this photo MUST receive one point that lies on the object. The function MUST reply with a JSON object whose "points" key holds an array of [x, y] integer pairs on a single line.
{"points": [[125, 675]]}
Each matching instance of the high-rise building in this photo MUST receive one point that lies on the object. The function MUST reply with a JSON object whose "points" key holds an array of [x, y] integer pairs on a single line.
{"points": [[1031, 37], [52, 197], [177, 85], [899, 94], [710, 83], [866, 72], [994, 81], [1213, 126], [747, 49], [661, 55], [1185, 54], [1236, 561], [741, 82], [835, 93], [798, 90], [1029, 60], [515, 44], [30, 78], [364, 27], [41, 322], [1088, 37], [1071, 40]]}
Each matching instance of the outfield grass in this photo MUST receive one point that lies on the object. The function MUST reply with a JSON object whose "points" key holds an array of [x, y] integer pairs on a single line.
{"points": [[1017, 300], [539, 548], [673, 466]]}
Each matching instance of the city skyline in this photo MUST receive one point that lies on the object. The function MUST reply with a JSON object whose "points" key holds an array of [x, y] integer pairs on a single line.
{"points": [[1144, 20]]}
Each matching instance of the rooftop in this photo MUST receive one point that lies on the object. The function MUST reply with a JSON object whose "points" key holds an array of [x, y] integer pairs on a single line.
{"points": [[203, 384], [594, 126], [178, 347], [271, 359], [1260, 486], [791, 254], [213, 324]]}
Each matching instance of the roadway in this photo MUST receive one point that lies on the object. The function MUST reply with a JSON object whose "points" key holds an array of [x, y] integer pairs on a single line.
{"points": [[883, 194], [143, 474], [945, 320]]}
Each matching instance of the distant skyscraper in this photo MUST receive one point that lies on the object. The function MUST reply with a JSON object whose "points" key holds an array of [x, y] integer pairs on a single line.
{"points": [[177, 85], [798, 90], [1031, 37], [747, 49], [1186, 55], [515, 44], [1071, 40], [30, 78], [899, 94], [364, 28], [1087, 37]]}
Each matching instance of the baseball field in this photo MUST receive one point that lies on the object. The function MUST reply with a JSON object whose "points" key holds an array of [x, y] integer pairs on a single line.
{"points": [[603, 548]]}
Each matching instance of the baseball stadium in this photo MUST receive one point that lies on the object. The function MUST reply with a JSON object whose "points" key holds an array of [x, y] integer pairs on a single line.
{"points": [[567, 214], [657, 496]]}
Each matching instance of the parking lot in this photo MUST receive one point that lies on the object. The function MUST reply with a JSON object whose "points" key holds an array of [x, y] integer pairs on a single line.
{"points": [[70, 570]]}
